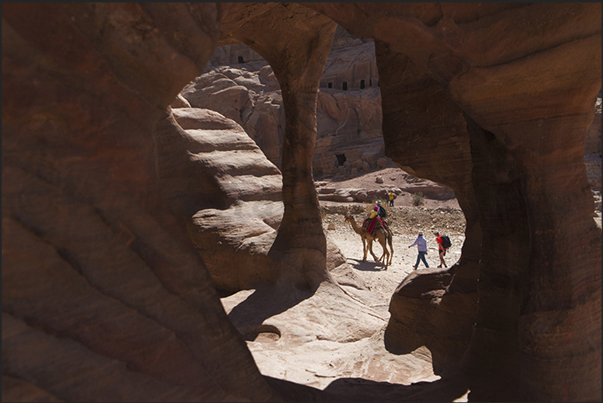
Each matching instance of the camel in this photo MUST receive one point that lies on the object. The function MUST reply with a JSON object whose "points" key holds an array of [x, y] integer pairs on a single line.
{"points": [[384, 236]]}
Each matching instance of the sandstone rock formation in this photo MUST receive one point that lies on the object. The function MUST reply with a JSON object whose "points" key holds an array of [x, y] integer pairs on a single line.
{"points": [[423, 306], [349, 141], [519, 134], [227, 193], [351, 65], [104, 295], [217, 180], [241, 85], [339, 192], [250, 98]]}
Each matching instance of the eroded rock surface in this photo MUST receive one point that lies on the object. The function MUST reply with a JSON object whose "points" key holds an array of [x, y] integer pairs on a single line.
{"points": [[105, 297], [228, 194], [250, 98], [221, 185], [348, 120], [526, 140]]}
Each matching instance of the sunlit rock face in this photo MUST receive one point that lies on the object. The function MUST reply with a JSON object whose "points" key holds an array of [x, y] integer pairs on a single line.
{"points": [[220, 184], [252, 98], [102, 284], [241, 85], [228, 194]]}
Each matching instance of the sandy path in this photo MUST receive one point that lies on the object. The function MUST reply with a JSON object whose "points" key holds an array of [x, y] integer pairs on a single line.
{"points": [[405, 223], [336, 334], [383, 282], [333, 339]]}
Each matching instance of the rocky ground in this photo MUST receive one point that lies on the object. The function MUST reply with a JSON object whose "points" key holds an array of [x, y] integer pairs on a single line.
{"points": [[333, 339], [405, 220], [337, 333]]}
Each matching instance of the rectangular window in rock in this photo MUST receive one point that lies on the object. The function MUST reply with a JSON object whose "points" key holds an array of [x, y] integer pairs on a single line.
{"points": [[344, 86], [340, 159], [362, 84]]}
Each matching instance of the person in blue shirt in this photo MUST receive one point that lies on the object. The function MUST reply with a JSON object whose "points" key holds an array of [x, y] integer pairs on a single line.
{"points": [[422, 248]]}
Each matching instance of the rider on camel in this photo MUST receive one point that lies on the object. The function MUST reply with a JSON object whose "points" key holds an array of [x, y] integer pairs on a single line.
{"points": [[377, 216]]}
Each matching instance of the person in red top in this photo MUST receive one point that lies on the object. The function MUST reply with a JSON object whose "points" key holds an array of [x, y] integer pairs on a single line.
{"points": [[441, 249]]}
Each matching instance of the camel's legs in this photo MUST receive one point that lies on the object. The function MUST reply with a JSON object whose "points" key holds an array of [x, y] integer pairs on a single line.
{"points": [[364, 249], [381, 238], [385, 256], [370, 248]]}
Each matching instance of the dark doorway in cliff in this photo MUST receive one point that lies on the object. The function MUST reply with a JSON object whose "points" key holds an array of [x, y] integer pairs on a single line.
{"points": [[340, 159], [241, 60], [344, 86], [330, 85], [362, 85]]}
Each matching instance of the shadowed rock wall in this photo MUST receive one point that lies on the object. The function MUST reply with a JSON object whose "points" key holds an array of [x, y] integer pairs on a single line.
{"points": [[101, 285], [528, 103], [427, 136], [103, 295]]}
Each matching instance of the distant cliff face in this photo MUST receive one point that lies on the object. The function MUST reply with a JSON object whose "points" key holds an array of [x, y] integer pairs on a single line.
{"points": [[240, 84]]}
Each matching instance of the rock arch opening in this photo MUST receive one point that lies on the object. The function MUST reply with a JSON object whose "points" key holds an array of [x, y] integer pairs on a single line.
{"points": [[109, 257], [229, 99]]}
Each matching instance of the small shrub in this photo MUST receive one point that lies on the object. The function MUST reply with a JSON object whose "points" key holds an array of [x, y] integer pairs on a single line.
{"points": [[417, 199]]}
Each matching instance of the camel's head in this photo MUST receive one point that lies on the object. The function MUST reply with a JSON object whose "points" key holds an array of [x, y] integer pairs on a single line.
{"points": [[348, 218]]}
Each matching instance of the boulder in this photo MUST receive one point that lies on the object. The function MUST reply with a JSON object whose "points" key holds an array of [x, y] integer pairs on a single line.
{"points": [[421, 306]]}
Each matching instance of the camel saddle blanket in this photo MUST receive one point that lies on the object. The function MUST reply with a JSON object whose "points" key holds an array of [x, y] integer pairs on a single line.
{"points": [[372, 225]]}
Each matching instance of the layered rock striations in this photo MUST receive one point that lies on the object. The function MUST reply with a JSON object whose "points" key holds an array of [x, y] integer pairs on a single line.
{"points": [[220, 184], [251, 98], [526, 141], [104, 295], [241, 85]]}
